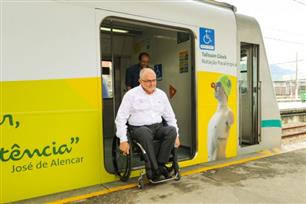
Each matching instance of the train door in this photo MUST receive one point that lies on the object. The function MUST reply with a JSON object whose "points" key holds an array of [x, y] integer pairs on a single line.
{"points": [[172, 58], [249, 95]]}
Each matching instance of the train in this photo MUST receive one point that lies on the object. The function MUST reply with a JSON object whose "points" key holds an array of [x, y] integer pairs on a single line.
{"points": [[63, 67]]}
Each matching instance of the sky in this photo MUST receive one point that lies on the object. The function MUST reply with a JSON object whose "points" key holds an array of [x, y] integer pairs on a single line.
{"points": [[283, 24]]}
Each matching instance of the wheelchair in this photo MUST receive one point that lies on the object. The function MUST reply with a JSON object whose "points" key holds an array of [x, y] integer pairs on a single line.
{"points": [[123, 163]]}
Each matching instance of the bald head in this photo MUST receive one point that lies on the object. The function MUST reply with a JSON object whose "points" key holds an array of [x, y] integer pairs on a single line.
{"points": [[146, 71], [147, 79]]}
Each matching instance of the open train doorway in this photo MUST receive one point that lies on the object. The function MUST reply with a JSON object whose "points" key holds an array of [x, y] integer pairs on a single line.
{"points": [[172, 58], [249, 95]]}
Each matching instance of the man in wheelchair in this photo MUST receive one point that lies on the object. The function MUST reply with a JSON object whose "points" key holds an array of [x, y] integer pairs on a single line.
{"points": [[144, 108]]}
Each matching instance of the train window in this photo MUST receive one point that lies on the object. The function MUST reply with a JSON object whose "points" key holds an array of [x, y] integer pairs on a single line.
{"points": [[107, 85], [243, 86], [172, 57]]}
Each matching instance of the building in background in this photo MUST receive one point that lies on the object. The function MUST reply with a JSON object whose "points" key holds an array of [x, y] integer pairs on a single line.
{"points": [[290, 90]]}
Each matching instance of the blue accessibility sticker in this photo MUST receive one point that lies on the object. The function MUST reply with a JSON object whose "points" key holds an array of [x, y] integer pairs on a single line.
{"points": [[207, 38], [158, 68]]}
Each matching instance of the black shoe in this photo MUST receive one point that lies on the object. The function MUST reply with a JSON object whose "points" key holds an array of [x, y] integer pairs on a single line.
{"points": [[149, 174], [164, 171], [156, 175]]}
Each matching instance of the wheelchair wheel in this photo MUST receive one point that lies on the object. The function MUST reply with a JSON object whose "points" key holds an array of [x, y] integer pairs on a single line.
{"points": [[178, 176], [121, 163], [140, 184], [174, 167]]}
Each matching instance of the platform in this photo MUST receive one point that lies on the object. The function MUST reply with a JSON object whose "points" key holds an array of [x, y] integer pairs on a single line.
{"points": [[272, 176]]}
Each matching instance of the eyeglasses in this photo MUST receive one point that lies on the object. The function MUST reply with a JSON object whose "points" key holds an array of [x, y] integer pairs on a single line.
{"points": [[218, 84], [149, 81]]}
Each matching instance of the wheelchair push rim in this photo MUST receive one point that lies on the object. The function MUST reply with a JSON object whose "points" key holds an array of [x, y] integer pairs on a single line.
{"points": [[121, 163]]}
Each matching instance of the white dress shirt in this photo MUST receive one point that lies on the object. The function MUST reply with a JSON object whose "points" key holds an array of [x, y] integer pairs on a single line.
{"points": [[139, 108]]}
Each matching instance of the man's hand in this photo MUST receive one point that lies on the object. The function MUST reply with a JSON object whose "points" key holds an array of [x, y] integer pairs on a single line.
{"points": [[177, 142], [125, 148]]}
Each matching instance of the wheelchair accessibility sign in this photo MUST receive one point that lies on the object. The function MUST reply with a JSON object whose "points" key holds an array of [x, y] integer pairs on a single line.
{"points": [[207, 38]]}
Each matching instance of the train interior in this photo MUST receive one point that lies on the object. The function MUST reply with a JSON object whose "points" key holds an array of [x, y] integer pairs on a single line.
{"points": [[171, 51]]}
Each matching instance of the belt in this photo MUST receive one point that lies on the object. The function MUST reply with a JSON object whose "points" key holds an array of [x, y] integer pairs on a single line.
{"points": [[149, 126]]}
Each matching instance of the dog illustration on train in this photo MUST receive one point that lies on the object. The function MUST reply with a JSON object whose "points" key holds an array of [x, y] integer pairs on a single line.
{"points": [[221, 121]]}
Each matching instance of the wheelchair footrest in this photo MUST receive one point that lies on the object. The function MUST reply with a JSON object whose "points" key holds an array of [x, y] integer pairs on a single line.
{"points": [[177, 176]]}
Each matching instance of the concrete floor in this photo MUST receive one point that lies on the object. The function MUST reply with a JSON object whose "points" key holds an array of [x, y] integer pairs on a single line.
{"points": [[277, 179], [273, 179]]}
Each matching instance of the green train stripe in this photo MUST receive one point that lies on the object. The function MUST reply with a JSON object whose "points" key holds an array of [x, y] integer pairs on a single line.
{"points": [[271, 123]]}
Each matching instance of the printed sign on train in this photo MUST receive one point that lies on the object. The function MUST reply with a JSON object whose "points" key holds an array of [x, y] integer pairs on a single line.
{"points": [[207, 38]]}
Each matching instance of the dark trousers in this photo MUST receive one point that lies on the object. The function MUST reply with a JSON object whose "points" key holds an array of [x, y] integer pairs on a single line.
{"points": [[145, 136]]}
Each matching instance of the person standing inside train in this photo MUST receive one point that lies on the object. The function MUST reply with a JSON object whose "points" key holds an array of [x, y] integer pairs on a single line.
{"points": [[132, 73]]}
